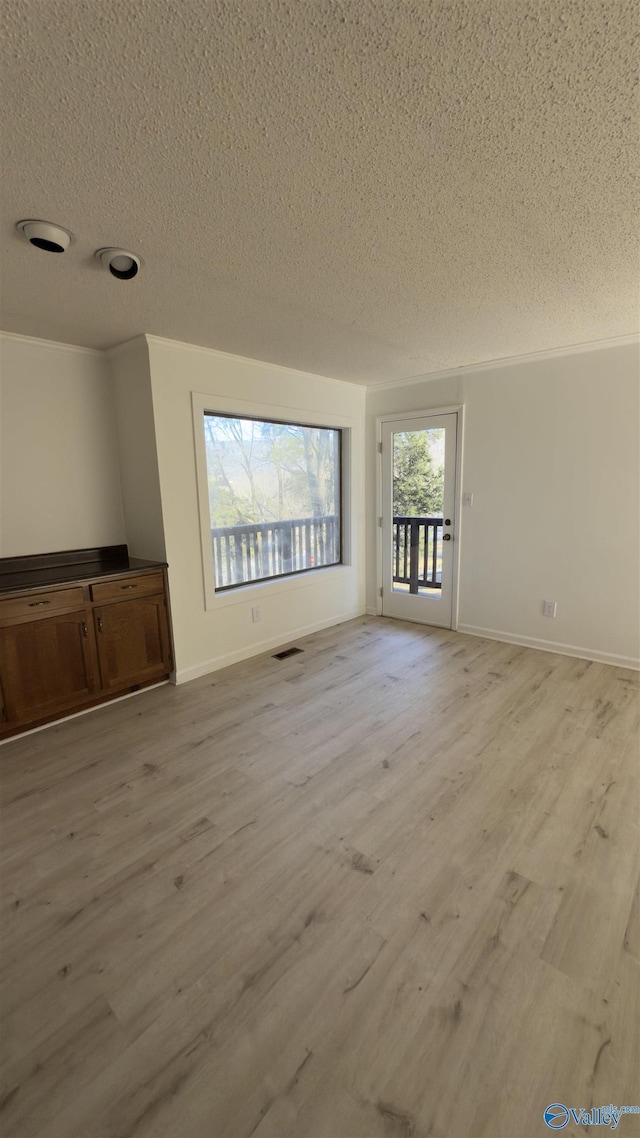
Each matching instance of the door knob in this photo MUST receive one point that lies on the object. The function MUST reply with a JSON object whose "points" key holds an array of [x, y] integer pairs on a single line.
{"points": [[447, 537]]}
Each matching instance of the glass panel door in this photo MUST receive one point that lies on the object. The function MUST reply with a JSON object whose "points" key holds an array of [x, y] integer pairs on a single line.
{"points": [[418, 522]]}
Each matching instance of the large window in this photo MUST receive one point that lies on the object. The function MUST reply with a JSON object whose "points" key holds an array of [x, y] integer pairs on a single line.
{"points": [[274, 498]]}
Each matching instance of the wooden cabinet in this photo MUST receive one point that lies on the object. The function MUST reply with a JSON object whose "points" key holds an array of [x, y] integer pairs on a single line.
{"points": [[48, 666], [128, 588], [67, 647], [133, 641]]}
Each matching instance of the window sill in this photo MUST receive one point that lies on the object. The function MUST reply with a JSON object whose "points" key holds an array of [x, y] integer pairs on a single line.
{"points": [[246, 594]]}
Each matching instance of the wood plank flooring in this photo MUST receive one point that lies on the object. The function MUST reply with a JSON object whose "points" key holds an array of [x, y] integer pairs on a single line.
{"points": [[386, 888]]}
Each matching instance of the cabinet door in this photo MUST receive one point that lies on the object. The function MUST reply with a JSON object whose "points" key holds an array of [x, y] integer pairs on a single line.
{"points": [[46, 666], [133, 642]]}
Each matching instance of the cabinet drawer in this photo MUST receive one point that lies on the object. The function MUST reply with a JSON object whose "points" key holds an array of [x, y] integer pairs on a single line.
{"points": [[35, 605], [128, 587]]}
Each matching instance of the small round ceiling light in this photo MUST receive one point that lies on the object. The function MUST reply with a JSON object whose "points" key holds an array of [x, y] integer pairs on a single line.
{"points": [[45, 235], [120, 263]]}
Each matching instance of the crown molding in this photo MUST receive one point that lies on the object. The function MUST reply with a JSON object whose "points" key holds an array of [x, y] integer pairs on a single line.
{"points": [[161, 341], [446, 373], [126, 346], [17, 337], [509, 361]]}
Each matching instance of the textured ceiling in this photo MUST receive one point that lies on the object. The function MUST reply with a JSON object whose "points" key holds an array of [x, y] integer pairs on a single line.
{"points": [[369, 189]]}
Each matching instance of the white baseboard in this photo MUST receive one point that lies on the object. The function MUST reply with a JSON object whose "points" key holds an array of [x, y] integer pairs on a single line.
{"points": [[551, 646], [85, 711], [183, 675]]}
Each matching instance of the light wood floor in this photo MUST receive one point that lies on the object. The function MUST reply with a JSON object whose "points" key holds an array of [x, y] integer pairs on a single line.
{"points": [[383, 888]]}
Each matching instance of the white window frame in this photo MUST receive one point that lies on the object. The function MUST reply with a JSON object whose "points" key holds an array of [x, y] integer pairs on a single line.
{"points": [[453, 408], [203, 403]]}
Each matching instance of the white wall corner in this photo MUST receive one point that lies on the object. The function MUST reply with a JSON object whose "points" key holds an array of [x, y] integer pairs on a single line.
{"points": [[134, 344]]}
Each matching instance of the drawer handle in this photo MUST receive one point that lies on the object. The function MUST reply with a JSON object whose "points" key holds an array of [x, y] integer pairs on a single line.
{"points": [[36, 604], [128, 586]]}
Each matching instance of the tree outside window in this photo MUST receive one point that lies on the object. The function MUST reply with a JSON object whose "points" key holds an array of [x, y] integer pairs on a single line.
{"points": [[274, 497]]}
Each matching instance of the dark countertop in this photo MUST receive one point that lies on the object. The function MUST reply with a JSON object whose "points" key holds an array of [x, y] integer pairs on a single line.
{"points": [[72, 566]]}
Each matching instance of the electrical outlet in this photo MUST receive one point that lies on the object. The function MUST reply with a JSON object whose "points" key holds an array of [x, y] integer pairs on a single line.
{"points": [[255, 614], [549, 608]]}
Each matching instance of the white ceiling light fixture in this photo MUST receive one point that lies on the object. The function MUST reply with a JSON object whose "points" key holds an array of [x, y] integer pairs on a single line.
{"points": [[120, 262], [45, 235]]}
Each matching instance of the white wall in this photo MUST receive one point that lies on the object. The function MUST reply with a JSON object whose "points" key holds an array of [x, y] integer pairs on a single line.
{"points": [[206, 639], [137, 449], [551, 454], [59, 462]]}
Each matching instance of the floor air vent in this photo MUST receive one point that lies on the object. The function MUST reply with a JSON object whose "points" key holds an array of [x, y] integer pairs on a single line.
{"points": [[287, 652]]}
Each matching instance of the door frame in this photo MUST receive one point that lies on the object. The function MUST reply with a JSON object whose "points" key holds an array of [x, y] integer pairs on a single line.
{"points": [[399, 416]]}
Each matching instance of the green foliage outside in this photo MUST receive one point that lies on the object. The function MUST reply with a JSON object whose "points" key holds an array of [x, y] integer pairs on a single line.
{"points": [[260, 471], [418, 474]]}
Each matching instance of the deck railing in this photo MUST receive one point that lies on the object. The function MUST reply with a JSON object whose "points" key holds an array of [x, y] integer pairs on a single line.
{"points": [[258, 551], [271, 549], [417, 552]]}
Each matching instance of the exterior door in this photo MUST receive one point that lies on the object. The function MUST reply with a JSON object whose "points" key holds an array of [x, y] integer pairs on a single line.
{"points": [[419, 518]]}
